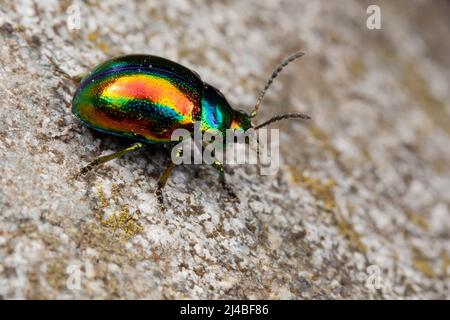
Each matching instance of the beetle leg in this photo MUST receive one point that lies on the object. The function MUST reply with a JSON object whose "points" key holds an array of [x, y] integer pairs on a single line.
{"points": [[79, 77], [103, 159], [58, 69], [219, 167], [165, 176]]}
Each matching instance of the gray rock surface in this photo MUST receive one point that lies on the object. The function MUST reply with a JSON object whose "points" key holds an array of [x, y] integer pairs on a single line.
{"points": [[358, 209]]}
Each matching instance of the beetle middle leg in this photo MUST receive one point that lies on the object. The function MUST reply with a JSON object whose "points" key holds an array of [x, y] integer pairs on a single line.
{"points": [[165, 176], [216, 164], [112, 156], [219, 167]]}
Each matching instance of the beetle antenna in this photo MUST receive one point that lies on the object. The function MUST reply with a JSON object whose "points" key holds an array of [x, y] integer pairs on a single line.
{"points": [[275, 73], [281, 117]]}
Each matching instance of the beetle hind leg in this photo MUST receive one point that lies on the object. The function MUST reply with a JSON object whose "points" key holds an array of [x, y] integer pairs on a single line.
{"points": [[112, 156], [165, 176]]}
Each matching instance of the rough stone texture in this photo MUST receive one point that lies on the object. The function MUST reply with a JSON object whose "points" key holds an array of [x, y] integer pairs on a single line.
{"points": [[364, 185]]}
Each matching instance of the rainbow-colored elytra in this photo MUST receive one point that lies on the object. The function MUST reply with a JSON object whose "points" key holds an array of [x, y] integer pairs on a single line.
{"points": [[146, 98]]}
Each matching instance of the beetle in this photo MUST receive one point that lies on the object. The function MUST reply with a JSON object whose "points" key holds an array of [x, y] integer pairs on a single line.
{"points": [[145, 98]]}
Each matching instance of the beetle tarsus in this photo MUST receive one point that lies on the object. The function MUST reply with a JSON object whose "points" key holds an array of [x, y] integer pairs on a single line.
{"points": [[229, 190]]}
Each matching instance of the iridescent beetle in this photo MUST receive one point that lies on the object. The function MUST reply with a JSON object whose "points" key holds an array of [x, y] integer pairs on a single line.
{"points": [[145, 98]]}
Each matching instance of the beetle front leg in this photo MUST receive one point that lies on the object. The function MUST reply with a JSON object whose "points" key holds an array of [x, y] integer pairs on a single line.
{"points": [[112, 156]]}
